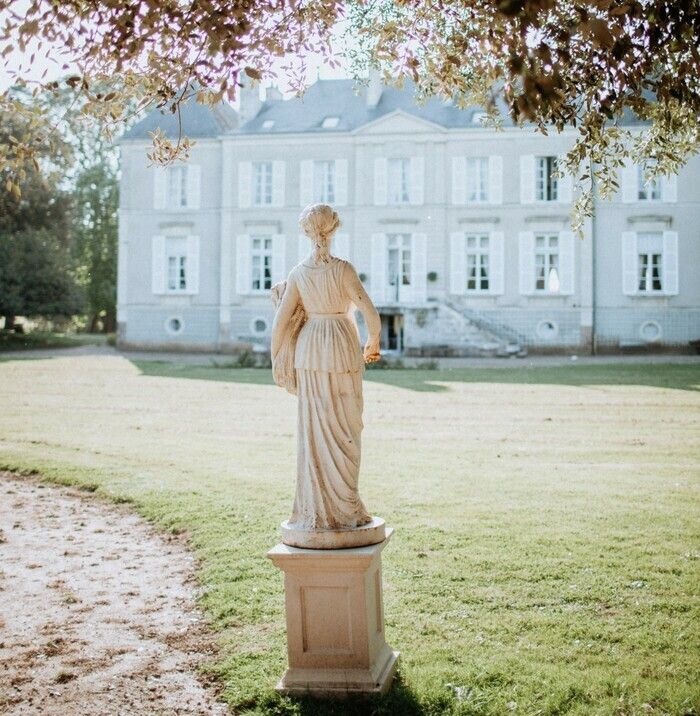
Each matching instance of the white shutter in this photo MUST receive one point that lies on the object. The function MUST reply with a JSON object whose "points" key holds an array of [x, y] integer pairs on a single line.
{"points": [[417, 188], [527, 179], [340, 246], [279, 258], [419, 267], [526, 261], [158, 264], [380, 179], [245, 183], [459, 180], [565, 183], [192, 265], [341, 182], [193, 186], [670, 263], [629, 263], [495, 179], [278, 183], [244, 278], [629, 182], [669, 188], [496, 262], [306, 182], [160, 177], [567, 262], [378, 268], [303, 247], [458, 263]]}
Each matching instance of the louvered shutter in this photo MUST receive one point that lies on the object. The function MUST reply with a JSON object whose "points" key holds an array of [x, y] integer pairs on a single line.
{"points": [[669, 188], [193, 186], [629, 263], [419, 268], [192, 265], [629, 182], [278, 179], [496, 262], [564, 184], [160, 178], [527, 179], [459, 180], [279, 258], [245, 182], [378, 268], [306, 182], [417, 188], [303, 247], [340, 246], [567, 262], [341, 182], [495, 179], [526, 261], [380, 181], [670, 263], [458, 263], [158, 264], [244, 278]]}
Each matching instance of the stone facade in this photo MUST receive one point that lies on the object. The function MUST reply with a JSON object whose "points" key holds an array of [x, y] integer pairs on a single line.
{"points": [[459, 231]]}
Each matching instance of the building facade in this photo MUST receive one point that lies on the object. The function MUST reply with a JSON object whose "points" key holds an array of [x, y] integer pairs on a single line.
{"points": [[460, 232]]}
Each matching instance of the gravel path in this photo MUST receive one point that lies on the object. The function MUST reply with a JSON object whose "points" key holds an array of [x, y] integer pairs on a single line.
{"points": [[97, 612]]}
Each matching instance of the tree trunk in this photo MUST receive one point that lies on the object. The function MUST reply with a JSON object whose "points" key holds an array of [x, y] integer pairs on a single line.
{"points": [[109, 322], [9, 323]]}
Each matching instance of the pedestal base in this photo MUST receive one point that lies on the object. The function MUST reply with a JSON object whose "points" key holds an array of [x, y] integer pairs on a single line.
{"points": [[373, 532], [335, 621]]}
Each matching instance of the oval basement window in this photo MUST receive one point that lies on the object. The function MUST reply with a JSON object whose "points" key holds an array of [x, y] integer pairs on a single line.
{"points": [[650, 331], [547, 329], [174, 325], [259, 325]]}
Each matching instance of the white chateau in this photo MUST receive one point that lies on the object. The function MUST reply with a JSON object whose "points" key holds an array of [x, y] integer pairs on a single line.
{"points": [[460, 232]]}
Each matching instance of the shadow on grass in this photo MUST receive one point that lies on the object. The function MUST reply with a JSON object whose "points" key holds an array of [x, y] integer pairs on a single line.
{"points": [[655, 375]]}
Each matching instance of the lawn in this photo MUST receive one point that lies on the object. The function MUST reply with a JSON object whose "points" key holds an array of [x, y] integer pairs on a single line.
{"points": [[546, 558], [36, 340]]}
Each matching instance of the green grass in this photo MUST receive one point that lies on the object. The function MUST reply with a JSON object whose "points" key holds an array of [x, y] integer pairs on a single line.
{"points": [[547, 550], [10, 341]]}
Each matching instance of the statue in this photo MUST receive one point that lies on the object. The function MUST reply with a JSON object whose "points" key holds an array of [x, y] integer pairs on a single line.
{"points": [[316, 354]]}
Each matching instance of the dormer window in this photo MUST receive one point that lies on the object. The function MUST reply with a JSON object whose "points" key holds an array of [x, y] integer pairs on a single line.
{"points": [[268, 124], [478, 118], [330, 122]]}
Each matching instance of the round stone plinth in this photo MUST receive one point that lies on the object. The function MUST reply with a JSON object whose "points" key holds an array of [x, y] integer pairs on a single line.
{"points": [[372, 533]]}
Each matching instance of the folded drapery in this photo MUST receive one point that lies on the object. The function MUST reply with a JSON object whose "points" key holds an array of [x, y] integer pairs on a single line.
{"points": [[283, 371]]}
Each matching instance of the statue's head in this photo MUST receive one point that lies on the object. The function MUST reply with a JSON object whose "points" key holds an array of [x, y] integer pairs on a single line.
{"points": [[319, 222]]}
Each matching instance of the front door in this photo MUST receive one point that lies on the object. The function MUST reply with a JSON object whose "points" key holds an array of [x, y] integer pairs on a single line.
{"points": [[399, 268], [392, 333]]}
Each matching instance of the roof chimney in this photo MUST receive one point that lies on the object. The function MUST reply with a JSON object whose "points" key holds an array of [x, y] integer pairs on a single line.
{"points": [[374, 88], [250, 101], [272, 93]]}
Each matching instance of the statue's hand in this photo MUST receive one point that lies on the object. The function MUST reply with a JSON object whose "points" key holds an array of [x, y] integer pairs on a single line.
{"points": [[371, 352]]}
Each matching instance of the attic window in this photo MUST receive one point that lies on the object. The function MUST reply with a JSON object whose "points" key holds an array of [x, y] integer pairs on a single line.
{"points": [[330, 122], [268, 124], [478, 118]]}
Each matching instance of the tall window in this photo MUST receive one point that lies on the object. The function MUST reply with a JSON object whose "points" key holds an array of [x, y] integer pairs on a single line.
{"points": [[647, 191], [176, 263], [547, 263], [477, 262], [649, 262], [399, 171], [546, 185], [324, 181], [477, 178], [261, 262], [398, 262], [262, 183], [176, 187]]}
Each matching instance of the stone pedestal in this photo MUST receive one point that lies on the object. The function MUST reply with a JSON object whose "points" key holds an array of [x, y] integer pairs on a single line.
{"points": [[335, 621]]}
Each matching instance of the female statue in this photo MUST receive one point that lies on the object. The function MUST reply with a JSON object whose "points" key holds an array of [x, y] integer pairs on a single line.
{"points": [[316, 353]]}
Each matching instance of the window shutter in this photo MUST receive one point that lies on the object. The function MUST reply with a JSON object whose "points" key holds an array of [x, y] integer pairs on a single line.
{"points": [[526, 258], [341, 182], [380, 179], [567, 262], [496, 262], [417, 189], [669, 188], [458, 263], [459, 180], [278, 183], [192, 266], [527, 179], [670, 263], [378, 268], [244, 278], [496, 179], [629, 263], [160, 176], [279, 258], [193, 186], [158, 264], [565, 184], [629, 183], [340, 246], [419, 267], [306, 182], [245, 181], [303, 247]]}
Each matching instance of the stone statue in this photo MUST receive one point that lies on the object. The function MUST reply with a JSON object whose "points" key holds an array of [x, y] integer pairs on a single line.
{"points": [[316, 354]]}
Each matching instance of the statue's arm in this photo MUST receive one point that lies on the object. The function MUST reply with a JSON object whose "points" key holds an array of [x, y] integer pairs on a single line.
{"points": [[280, 324], [357, 294]]}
